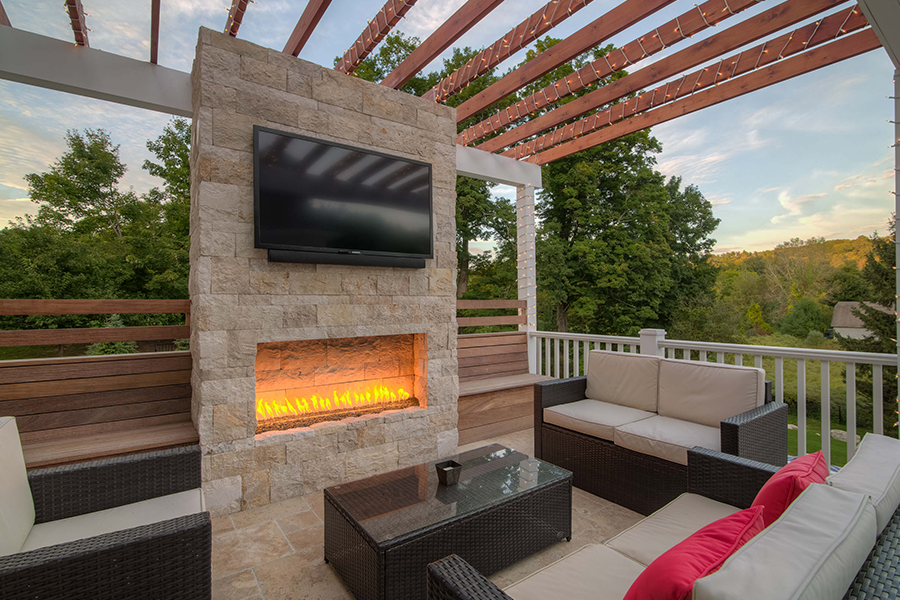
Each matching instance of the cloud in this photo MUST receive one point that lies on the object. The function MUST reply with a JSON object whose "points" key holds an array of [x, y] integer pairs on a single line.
{"points": [[771, 189], [864, 179], [720, 201]]}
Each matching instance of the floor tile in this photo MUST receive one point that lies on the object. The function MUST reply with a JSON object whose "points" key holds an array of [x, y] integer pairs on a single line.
{"points": [[235, 587], [220, 524], [270, 512], [295, 577], [234, 551], [299, 521]]}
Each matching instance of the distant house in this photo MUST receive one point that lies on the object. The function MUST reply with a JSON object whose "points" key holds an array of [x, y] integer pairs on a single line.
{"points": [[846, 323]]}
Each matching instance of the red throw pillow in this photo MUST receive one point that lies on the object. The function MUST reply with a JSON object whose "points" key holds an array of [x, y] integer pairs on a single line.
{"points": [[672, 575], [785, 485]]}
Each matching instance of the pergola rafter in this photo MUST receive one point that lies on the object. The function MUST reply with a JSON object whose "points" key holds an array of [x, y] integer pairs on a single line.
{"points": [[4, 18], [814, 34], [154, 31], [806, 62], [542, 21], [389, 15], [235, 16], [79, 28], [595, 33], [755, 28], [311, 16], [462, 20], [697, 19]]}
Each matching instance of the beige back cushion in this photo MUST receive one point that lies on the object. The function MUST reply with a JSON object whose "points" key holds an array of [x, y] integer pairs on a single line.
{"points": [[16, 506], [624, 379], [812, 552], [874, 470], [707, 393]]}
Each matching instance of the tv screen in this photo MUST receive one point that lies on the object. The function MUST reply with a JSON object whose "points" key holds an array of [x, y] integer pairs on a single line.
{"points": [[320, 196]]}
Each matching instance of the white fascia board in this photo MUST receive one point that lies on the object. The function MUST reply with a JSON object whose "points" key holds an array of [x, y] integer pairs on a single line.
{"points": [[479, 164], [884, 16], [57, 65]]}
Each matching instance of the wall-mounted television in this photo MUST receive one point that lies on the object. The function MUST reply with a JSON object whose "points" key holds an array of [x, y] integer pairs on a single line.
{"points": [[318, 201]]}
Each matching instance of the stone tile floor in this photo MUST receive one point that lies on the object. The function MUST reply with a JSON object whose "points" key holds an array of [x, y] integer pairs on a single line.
{"points": [[275, 552]]}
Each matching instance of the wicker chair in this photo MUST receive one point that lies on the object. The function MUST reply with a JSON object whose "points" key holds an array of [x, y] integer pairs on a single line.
{"points": [[168, 559]]}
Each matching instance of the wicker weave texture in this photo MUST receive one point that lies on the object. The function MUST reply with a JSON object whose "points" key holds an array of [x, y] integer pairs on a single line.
{"points": [[553, 393], [879, 576], [759, 434], [452, 578], [726, 478]]}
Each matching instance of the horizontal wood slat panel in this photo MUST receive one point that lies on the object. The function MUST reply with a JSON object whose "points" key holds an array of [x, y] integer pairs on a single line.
{"points": [[92, 307], [491, 370], [506, 413], [490, 350], [31, 406], [495, 406], [94, 369], [483, 321], [472, 340], [474, 304], [485, 384], [50, 337], [492, 430], [102, 428], [15, 391], [494, 359], [105, 414], [64, 360]]}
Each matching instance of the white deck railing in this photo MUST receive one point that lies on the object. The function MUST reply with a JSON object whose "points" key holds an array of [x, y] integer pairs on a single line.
{"points": [[564, 355]]}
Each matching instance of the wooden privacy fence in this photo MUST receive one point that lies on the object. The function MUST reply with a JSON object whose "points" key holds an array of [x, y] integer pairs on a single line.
{"points": [[79, 408]]}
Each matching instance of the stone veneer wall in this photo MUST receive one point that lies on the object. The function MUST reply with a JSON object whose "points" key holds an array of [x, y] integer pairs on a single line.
{"points": [[239, 299]]}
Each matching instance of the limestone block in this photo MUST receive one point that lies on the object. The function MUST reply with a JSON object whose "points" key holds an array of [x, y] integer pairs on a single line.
{"points": [[416, 450], [218, 369], [442, 421], [447, 442], [393, 136], [406, 428], [377, 104], [266, 107], [223, 496], [214, 95], [204, 420], [371, 461], [214, 243], [263, 74], [300, 316], [266, 457], [345, 92], [246, 317], [216, 201], [232, 44], [202, 126], [228, 464], [254, 489], [233, 130], [241, 346], [349, 126], [418, 284], [307, 283], [269, 282], [210, 345], [357, 284], [393, 284], [243, 248], [442, 283], [372, 435], [217, 66], [231, 421], [238, 390], [313, 120], [341, 315], [229, 276], [291, 480]]}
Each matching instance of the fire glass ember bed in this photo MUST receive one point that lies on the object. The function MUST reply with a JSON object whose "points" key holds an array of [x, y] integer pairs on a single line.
{"points": [[381, 532]]}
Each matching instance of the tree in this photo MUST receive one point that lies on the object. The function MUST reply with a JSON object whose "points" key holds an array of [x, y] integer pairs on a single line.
{"points": [[474, 213], [803, 317], [392, 51]]}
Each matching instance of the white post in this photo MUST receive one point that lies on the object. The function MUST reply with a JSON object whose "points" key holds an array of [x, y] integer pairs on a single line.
{"points": [[525, 262], [897, 206], [650, 339]]}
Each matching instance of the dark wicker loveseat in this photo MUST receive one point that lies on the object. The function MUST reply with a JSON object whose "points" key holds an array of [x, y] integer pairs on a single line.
{"points": [[169, 559], [637, 480]]}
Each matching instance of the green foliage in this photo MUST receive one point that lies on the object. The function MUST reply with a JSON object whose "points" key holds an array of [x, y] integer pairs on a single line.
{"points": [[804, 317], [112, 347]]}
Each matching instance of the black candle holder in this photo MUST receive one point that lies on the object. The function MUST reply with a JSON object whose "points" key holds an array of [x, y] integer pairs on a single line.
{"points": [[448, 472]]}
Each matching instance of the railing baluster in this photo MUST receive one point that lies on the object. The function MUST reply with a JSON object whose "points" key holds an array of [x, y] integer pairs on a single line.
{"points": [[851, 410], [779, 379], [757, 361], [547, 347], [556, 359], [585, 350], [720, 357], [739, 360], [825, 430], [801, 406], [703, 356], [566, 359], [878, 398]]}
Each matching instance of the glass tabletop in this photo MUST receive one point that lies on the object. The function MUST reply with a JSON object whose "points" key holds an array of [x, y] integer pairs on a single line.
{"points": [[394, 504]]}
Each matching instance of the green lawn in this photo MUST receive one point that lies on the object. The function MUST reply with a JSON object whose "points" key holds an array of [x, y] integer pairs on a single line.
{"points": [[814, 441]]}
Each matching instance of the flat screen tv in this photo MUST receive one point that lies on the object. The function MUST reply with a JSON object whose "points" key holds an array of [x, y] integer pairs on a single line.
{"points": [[313, 196]]}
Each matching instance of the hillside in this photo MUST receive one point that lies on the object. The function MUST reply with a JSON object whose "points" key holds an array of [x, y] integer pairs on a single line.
{"points": [[838, 252]]}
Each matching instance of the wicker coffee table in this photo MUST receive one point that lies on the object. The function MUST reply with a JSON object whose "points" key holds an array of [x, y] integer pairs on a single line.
{"points": [[382, 531]]}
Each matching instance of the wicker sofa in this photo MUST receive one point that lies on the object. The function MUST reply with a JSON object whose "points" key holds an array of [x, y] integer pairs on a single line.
{"points": [[129, 527], [624, 430], [835, 541]]}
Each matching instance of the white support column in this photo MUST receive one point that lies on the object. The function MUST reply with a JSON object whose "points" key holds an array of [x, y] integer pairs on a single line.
{"points": [[650, 339], [525, 261], [897, 213]]}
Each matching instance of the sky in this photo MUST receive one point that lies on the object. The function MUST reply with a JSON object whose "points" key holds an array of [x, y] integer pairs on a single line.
{"points": [[807, 157]]}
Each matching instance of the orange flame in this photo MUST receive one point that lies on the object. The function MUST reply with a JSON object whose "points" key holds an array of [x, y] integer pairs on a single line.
{"points": [[292, 407]]}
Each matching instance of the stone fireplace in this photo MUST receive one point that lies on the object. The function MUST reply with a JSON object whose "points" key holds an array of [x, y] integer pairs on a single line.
{"points": [[340, 341]]}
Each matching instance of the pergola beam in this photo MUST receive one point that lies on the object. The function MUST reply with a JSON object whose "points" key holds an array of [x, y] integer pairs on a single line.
{"points": [[697, 19], [154, 31], [771, 51], [389, 15], [235, 16], [305, 26], [601, 29], [542, 21], [756, 27], [76, 16], [462, 20], [842, 49], [4, 18]]}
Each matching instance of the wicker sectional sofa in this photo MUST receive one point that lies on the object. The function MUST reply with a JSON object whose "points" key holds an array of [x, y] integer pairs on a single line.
{"points": [[836, 540], [624, 430]]}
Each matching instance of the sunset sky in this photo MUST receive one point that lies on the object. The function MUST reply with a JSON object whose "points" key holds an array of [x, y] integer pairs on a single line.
{"points": [[809, 157]]}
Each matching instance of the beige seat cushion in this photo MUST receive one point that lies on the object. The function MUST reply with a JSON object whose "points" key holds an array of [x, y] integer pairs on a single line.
{"points": [[624, 379], [707, 393], [812, 552], [874, 470], [593, 573], [593, 417], [666, 438], [648, 539], [115, 519], [16, 505]]}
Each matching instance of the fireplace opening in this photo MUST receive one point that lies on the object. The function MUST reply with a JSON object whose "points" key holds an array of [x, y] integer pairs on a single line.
{"points": [[299, 384]]}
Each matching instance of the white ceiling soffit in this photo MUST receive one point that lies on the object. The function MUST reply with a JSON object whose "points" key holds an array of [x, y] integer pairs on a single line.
{"points": [[884, 16]]}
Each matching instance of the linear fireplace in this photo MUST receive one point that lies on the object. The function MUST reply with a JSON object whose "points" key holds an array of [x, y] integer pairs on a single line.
{"points": [[299, 384]]}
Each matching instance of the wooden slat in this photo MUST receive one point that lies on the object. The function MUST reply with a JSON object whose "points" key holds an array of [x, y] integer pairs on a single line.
{"points": [[494, 407], [497, 369], [92, 307], [746, 32], [472, 387], [102, 428], [16, 391], [618, 19], [484, 321], [63, 360], [30, 406], [106, 414], [842, 49], [475, 304], [374, 32], [486, 432], [154, 31], [76, 16], [472, 340], [58, 452], [51, 337], [462, 20], [491, 350], [4, 18], [305, 26], [493, 359], [79, 370]]}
